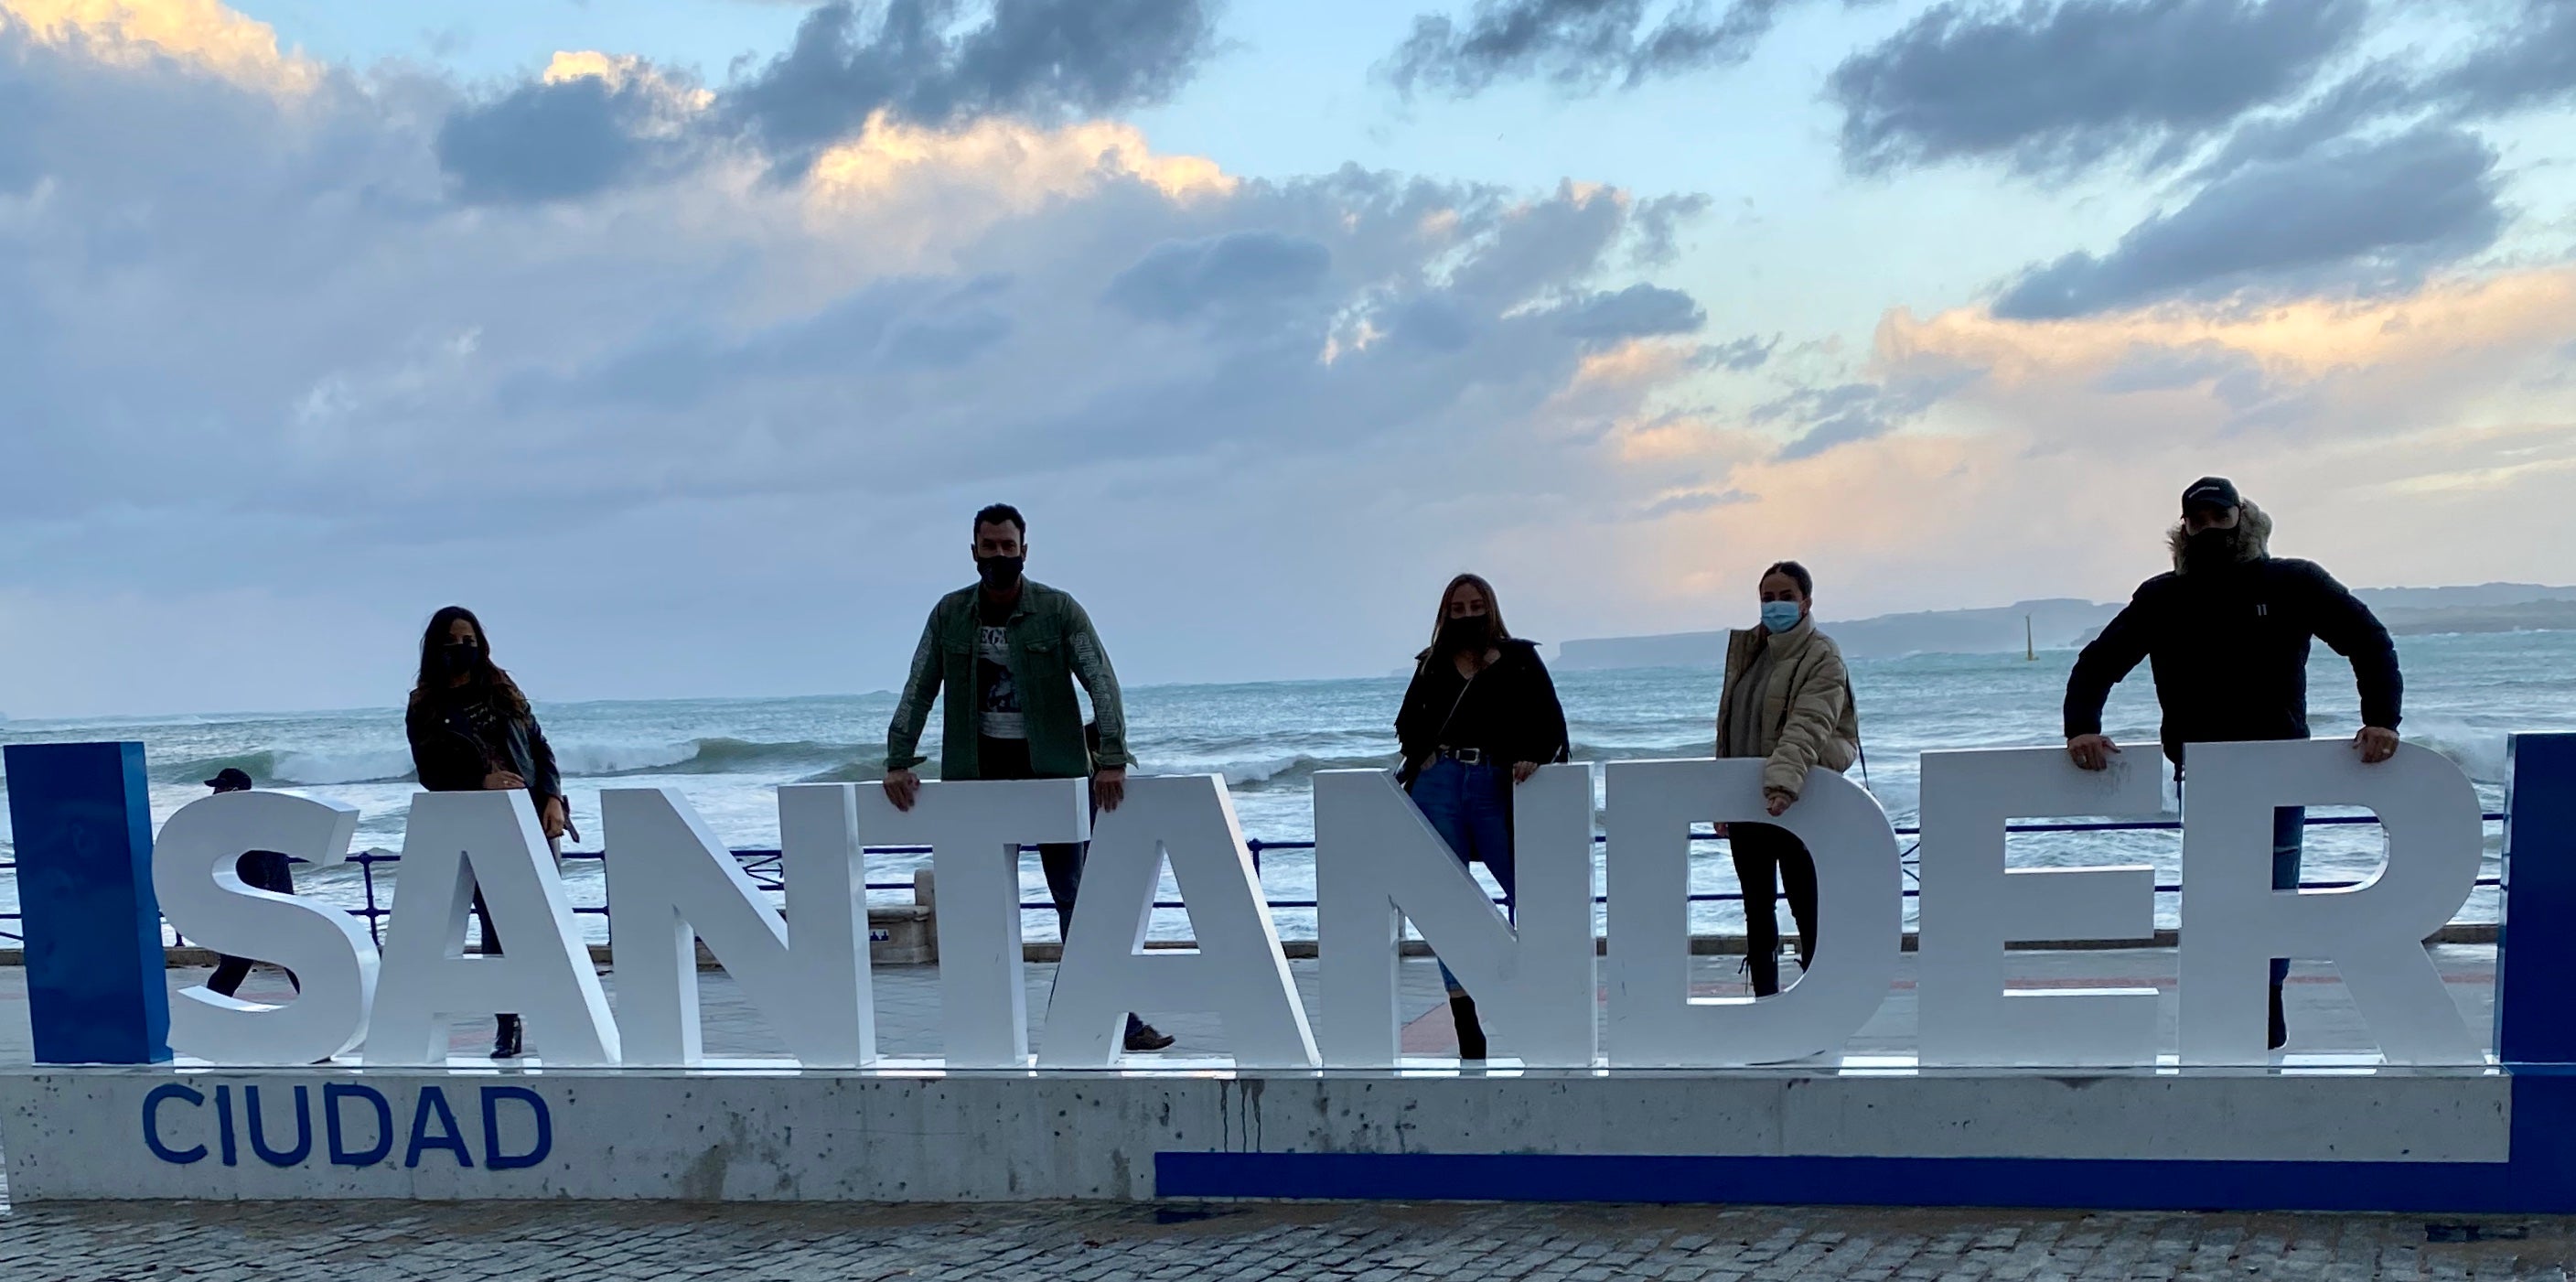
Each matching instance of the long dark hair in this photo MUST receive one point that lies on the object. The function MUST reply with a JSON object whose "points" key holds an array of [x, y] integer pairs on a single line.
{"points": [[495, 683], [1493, 611]]}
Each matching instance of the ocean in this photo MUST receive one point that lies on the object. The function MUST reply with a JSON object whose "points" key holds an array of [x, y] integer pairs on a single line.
{"points": [[1267, 739]]}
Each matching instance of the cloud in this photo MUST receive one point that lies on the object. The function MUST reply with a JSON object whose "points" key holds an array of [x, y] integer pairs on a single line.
{"points": [[560, 139], [1849, 413], [2366, 97], [2347, 216], [1036, 59], [134, 33], [2053, 86], [1638, 311], [264, 326], [1748, 353], [2053, 473], [1178, 280], [1573, 44], [2529, 62], [849, 67]]}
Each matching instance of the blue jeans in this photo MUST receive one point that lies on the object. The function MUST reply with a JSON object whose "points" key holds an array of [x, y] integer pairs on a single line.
{"points": [[2289, 830], [1471, 808]]}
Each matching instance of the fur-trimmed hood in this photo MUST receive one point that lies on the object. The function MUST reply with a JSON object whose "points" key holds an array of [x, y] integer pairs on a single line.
{"points": [[2253, 537]]}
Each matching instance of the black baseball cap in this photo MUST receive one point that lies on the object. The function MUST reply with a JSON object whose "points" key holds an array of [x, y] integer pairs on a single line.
{"points": [[2210, 491], [229, 779]]}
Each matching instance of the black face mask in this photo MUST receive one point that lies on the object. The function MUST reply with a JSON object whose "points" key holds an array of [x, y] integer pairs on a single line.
{"points": [[2210, 548], [461, 658], [1000, 573], [1466, 632]]}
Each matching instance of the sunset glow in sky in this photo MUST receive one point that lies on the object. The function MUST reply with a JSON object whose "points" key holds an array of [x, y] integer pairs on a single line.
{"points": [[680, 339]]}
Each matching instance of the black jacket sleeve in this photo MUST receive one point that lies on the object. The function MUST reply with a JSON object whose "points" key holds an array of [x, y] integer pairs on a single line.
{"points": [[441, 759], [547, 781], [2111, 656], [1546, 717], [1413, 726], [2341, 621]]}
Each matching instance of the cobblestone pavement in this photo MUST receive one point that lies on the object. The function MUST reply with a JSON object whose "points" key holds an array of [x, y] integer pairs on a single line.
{"points": [[1371, 1243]]}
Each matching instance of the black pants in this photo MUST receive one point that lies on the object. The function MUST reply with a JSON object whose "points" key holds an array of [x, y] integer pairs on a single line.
{"points": [[260, 870], [1061, 860], [1769, 859]]}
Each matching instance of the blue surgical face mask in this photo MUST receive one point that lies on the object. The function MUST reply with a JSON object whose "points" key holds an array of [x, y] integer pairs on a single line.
{"points": [[1780, 616]]}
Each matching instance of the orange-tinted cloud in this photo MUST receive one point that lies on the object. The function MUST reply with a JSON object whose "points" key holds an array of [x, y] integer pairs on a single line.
{"points": [[202, 33]]}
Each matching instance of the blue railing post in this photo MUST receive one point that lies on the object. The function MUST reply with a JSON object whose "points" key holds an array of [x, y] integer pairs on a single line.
{"points": [[2534, 976], [81, 814]]}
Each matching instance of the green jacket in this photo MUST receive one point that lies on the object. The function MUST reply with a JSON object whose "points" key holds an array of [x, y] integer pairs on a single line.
{"points": [[1052, 646]]}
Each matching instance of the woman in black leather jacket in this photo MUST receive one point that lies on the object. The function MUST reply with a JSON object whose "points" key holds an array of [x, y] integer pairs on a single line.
{"points": [[471, 728], [1480, 716]]}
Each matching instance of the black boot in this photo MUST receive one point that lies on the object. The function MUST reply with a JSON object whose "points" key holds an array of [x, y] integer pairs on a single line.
{"points": [[1471, 1034], [2280, 1024], [1764, 968], [1142, 1036], [505, 1037]]}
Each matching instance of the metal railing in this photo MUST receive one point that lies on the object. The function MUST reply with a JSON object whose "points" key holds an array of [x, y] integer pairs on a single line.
{"points": [[762, 865]]}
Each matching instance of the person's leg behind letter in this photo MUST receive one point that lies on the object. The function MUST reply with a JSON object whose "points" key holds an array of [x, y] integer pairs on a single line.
{"points": [[1757, 871], [2289, 835], [1798, 886], [1439, 792]]}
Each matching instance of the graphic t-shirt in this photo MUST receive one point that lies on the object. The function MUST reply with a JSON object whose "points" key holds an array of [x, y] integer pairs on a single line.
{"points": [[484, 724], [998, 713]]}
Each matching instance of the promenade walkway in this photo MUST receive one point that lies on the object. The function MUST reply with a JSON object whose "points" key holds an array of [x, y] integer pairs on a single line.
{"points": [[1331, 1243]]}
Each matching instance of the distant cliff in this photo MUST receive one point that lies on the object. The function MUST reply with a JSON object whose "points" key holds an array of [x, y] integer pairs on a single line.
{"points": [[2061, 623]]}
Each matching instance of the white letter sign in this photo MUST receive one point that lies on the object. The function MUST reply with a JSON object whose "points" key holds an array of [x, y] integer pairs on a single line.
{"points": [[1860, 890], [196, 878], [454, 842], [1377, 861], [1237, 970], [1972, 906], [2233, 922], [673, 882], [975, 830]]}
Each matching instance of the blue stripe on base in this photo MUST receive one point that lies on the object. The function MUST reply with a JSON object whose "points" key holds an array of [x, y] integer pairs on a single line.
{"points": [[2540, 1176]]}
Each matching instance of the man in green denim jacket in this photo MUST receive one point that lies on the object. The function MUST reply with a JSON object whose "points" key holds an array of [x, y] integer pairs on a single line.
{"points": [[1008, 651], [1051, 645]]}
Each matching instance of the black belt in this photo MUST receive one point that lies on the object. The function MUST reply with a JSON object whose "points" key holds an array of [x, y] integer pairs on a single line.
{"points": [[1465, 756]]}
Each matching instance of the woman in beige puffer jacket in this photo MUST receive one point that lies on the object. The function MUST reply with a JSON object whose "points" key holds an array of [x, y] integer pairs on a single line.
{"points": [[1787, 699]]}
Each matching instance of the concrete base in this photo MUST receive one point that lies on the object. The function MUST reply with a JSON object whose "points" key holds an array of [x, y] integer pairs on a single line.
{"points": [[772, 1132]]}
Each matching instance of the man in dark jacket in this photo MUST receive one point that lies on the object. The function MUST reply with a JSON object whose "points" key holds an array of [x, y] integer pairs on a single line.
{"points": [[2227, 634], [260, 870], [1009, 651]]}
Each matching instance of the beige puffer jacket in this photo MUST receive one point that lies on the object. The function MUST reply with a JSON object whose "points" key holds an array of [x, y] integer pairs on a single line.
{"points": [[1807, 713]]}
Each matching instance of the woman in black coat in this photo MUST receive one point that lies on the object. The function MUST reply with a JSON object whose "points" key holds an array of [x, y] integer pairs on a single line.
{"points": [[1480, 716], [470, 728]]}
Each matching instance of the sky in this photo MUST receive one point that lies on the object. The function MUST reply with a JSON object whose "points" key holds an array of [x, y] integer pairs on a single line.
{"points": [[682, 339]]}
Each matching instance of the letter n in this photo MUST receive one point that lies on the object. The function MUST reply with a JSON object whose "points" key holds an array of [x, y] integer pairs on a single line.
{"points": [[673, 883], [1378, 862]]}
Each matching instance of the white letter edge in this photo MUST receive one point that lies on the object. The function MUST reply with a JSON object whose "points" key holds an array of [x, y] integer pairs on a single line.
{"points": [[673, 882], [975, 829], [1237, 970], [2233, 922], [454, 842], [1860, 905], [1972, 906], [1377, 862], [196, 876]]}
